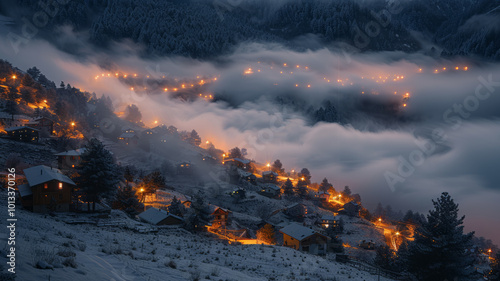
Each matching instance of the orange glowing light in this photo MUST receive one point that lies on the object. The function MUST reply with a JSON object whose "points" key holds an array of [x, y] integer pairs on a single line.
{"points": [[444, 68], [156, 121], [183, 86], [380, 219], [284, 64], [131, 88], [215, 79], [465, 68], [72, 123], [420, 69], [135, 75], [302, 178], [175, 89], [14, 76], [142, 190], [308, 86], [404, 104], [296, 85], [456, 67], [125, 76], [166, 89], [224, 155], [298, 66], [397, 233], [268, 165], [45, 101]]}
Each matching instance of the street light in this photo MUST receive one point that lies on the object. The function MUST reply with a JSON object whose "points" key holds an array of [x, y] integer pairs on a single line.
{"points": [[397, 233], [14, 77], [380, 220]]}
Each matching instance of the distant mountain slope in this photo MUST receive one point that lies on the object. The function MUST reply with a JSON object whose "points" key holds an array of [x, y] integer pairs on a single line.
{"points": [[205, 29]]}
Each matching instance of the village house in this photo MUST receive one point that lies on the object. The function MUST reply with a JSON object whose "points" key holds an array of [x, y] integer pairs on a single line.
{"points": [[269, 177], [209, 159], [159, 217], [328, 221], [221, 217], [69, 159], [304, 239], [239, 163], [148, 133], [296, 211], [42, 124], [324, 197], [23, 133], [184, 168], [248, 177], [270, 190], [351, 209], [47, 190], [129, 137]]}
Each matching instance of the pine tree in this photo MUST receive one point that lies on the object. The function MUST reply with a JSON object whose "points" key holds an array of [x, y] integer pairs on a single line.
{"points": [[288, 188], [235, 153], [200, 207], [128, 175], [301, 189], [153, 181], [266, 234], [277, 167], [325, 186], [385, 257], [125, 199], [306, 175], [439, 250], [194, 138], [98, 173], [175, 207], [347, 191]]}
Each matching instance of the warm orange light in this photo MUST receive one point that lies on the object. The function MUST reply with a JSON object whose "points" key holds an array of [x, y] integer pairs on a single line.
{"points": [[45, 101], [296, 85], [302, 178], [224, 155], [298, 66], [284, 64], [156, 121], [380, 219], [268, 165], [308, 86], [142, 189], [14, 76], [72, 123], [404, 104], [465, 68], [397, 233], [207, 142], [456, 67], [166, 89], [489, 250], [131, 88]]}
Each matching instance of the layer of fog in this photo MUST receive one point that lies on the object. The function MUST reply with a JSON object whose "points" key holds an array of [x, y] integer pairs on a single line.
{"points": [[462, 163]]}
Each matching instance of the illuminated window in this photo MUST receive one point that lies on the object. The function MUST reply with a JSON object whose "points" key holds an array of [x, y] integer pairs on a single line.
{"points": [[60, 185], [72, 166], [45, 186]]}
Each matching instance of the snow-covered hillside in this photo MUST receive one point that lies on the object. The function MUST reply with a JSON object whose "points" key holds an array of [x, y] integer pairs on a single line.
{"points": [[89, 252]]}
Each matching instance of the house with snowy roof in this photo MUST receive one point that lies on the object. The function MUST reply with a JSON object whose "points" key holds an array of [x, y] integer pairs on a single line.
{"points": [[157, 216], [42, 124], [304, 239], [238, 162], [23, 133], [69, 159], [270, 190], [129, 137], [269, 177], [47, 190]]}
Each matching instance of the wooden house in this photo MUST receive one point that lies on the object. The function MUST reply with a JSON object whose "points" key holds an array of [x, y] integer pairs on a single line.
{"points": [[23, 133], [296, 211], [160, 217], [47, 190], [221, 217], [239, 163], [351, 209], [328, 221], [129, 137], [270, 190], [269, 177], [184, 168], [69, 159], [248, 177], [42, 124], [304, 239]]}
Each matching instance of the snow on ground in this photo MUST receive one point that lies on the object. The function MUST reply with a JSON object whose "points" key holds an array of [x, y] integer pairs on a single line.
{"points": [[118, 253]]}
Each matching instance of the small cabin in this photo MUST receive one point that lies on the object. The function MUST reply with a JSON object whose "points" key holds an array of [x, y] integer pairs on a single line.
{"points": [[296, 211], [128, 138], [304, 239], [23, 133], [42, 124], [328, 221], [221, 217], [324, 197], [47, 190], [209, 159], [239, 163], [352, 209], [270, 190], [248, 177], [69, 159], [270, 177], [184, 168]]}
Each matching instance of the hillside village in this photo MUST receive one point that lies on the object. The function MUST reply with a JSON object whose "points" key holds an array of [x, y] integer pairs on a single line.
{"points": [[98, 191]]}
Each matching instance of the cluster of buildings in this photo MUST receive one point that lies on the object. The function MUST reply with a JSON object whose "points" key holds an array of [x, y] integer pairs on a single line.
{"points": [[21, 128]]}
